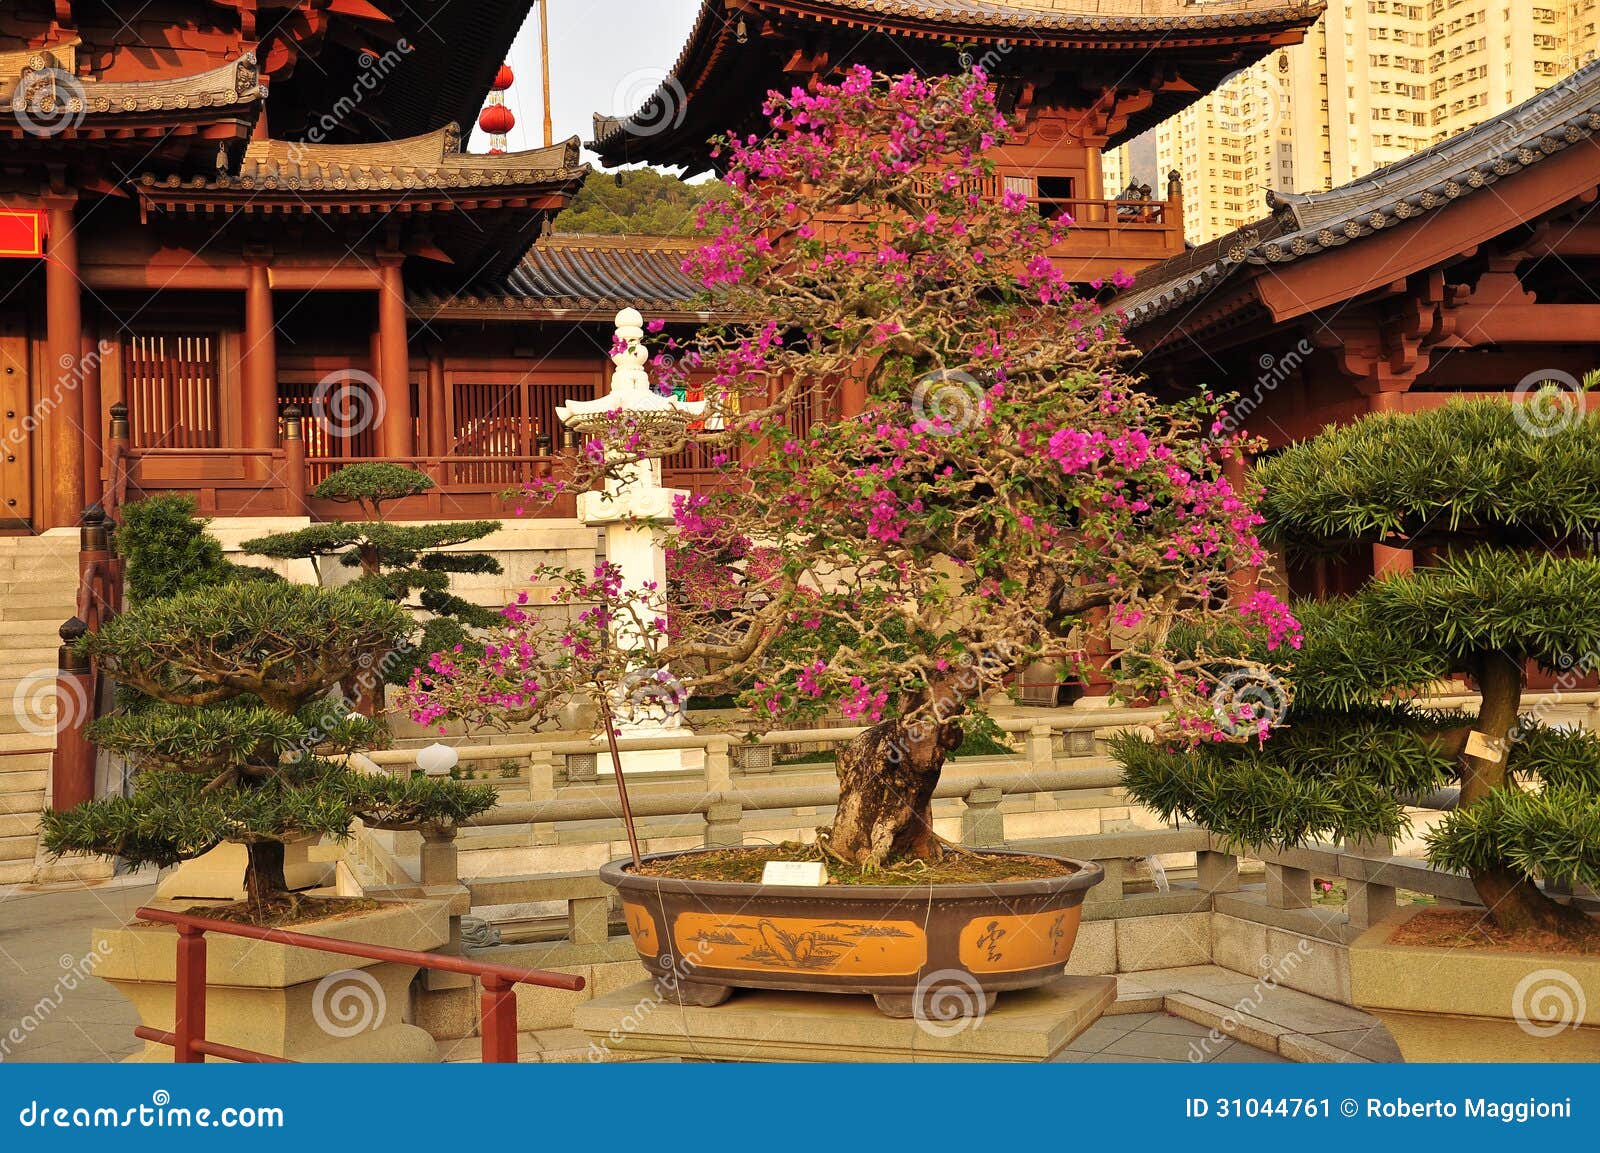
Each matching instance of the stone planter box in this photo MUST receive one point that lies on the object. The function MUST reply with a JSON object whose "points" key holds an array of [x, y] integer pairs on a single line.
{"points": [[1476, 1004], [283, 1001], [917, 949]]}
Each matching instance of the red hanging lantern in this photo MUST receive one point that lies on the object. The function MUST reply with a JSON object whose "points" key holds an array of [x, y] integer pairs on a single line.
{"points": [[496, 120], [504, 78]]}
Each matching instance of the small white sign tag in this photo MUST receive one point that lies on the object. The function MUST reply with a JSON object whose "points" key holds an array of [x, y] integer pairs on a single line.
{"points": [[1484, 748], [794, 873]]}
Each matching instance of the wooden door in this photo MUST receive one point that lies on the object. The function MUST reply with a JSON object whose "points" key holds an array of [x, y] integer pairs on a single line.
{"points": [[16, 426]]}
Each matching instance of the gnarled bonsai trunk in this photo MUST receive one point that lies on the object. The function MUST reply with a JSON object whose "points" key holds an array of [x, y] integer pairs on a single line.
{"points": [[1513, 901], [263, 877], [886, 780]]}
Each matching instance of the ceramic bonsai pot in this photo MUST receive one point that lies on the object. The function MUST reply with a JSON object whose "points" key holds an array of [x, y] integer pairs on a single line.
{"points": [[283, 1001], [910, 946], [1444, 1004]]}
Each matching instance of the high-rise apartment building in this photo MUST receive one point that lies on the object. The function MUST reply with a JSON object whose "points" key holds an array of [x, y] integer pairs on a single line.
{"points": [[1373, 82]]}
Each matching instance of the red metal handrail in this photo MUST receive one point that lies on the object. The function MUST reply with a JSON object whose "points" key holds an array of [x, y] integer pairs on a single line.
{"points": [[188, 1036]]}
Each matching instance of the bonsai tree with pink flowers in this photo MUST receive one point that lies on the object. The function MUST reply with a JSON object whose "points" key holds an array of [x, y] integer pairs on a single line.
{"points": [[1007, 494]]}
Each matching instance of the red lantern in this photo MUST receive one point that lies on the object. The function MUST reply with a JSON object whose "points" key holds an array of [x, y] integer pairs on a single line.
{"points": [[496, 120], [504, 78]]}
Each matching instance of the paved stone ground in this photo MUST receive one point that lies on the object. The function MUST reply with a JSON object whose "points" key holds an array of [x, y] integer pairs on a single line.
{"points": [[44, 940], [1158, 1038], [1161, 1015]]}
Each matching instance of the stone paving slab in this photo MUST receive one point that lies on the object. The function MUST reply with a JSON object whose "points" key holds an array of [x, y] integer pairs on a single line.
{"points": [[1229, 1005], [52, 1008]]}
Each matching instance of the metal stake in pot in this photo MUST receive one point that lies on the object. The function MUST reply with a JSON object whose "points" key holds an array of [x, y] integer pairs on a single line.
{"points": [[622, 785]]}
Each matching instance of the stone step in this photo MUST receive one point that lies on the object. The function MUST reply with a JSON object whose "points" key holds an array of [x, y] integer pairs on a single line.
{"points": [[19, 824], [14, 766], [37, 718], [19, 872], [30, 801], [36, 608], [29, 657], [31, 630], [27, 743], [18, 848]]}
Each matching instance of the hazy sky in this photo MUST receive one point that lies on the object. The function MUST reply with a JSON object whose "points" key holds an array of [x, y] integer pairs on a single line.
{"points": [[605, 56]]}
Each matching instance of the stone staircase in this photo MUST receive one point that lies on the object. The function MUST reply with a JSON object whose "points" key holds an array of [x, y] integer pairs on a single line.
{"points": [[38, 590]]}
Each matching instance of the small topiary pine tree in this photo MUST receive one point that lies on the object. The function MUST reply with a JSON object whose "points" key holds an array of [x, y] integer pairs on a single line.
{"points": [[167, 550], [1501, 511], [397, 561], [233, 726]]}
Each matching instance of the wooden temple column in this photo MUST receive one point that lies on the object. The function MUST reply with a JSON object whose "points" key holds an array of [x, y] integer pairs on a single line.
{"points": [[259, 394], [1242, 582], [64, 360], [397, 426], [94, 448], [1388, 561]]}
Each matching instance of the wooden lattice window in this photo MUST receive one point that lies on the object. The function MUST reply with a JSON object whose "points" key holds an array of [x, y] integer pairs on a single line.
{"points": [[170, 382]]}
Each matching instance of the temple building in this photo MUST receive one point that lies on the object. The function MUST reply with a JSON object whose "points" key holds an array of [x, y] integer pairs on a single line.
{"points": [[1466, 269]]}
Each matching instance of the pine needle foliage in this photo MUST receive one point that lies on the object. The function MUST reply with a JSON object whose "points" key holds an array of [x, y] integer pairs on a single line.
{"points": [[1502, 512]]}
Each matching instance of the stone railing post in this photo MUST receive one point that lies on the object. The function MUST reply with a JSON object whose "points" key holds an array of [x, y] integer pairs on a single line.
{"points": [[982, 823], [1368, 902], [439, 856], [589, 920], [440, 875], [1287, 887], [1216, 872], [541, 774], [722, 825], [719, 764], [1041, 747], [1109, 889]]}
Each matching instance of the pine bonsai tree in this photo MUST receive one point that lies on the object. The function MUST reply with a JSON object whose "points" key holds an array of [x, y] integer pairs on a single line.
{"points": [[1502, 513], [233, 726], [397, 561], [168, 551]]}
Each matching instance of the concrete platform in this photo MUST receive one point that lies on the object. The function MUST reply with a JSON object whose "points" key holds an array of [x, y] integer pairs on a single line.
{"points": [[762, 1025]]}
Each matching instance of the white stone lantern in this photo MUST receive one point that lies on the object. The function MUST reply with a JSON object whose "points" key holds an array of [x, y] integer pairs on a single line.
{"points": [[631, 509]]}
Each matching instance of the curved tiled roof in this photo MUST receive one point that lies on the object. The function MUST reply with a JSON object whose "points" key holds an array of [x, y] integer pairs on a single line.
{"points": [[434, 160], [592, 276], [45, 85], [1302, 226], [1136, 25]]}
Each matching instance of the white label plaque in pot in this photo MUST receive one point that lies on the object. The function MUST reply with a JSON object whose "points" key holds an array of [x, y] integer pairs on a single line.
{"points": [[794, 873]]}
